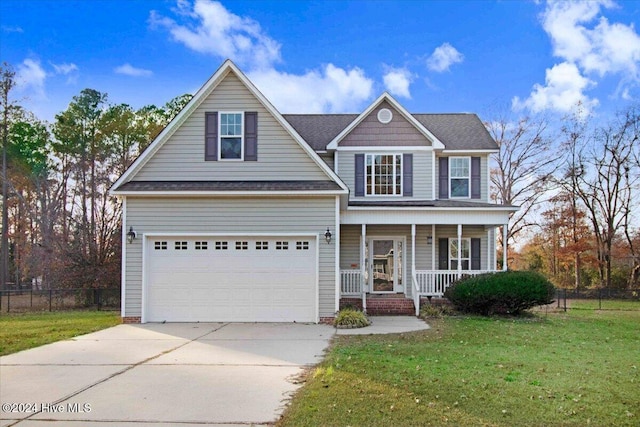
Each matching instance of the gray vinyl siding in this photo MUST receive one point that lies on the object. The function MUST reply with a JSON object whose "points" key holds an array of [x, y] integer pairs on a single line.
{"points": [[484, 185], [226, 215], [279, 155], [468, 231], [371, 133], [422, 176], [327, 158], [350, 246]]}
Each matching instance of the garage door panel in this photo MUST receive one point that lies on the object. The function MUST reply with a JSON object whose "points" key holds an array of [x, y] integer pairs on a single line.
{"points": [[231, 279]]}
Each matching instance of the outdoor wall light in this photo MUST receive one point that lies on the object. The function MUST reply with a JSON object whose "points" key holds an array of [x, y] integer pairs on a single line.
{"points": [[429, 240], [327, 236], [131, 235]]}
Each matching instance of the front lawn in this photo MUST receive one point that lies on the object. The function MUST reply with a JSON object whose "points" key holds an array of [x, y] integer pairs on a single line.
{"points": [[22, 331], [575, 369]]}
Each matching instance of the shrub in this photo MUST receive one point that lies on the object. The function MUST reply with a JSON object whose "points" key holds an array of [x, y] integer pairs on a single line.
{"points": [[431, 311], [508, 292], [350, 318]]}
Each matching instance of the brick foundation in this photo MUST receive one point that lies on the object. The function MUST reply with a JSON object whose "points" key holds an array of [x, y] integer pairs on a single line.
{"points": [[382, 305], [327, 320], [131, 319]]}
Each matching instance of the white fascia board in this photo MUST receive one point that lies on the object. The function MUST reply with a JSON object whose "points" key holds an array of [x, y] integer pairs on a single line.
{"points": [[197, 99], [436, 143], [463, 152], [386, 148], [228, 193], [498, 208]]}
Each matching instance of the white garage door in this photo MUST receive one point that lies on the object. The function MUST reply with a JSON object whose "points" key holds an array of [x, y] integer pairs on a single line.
{"points": [[231, 279]]}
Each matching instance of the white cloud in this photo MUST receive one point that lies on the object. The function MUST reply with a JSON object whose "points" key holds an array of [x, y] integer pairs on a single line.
{"points": [[210, 28], [329, 90], [593, 46], [397, 82], [443, 57], [64, 68], [600, 48], [10, 29], [563, 91], [31, 76], [129, 70]]}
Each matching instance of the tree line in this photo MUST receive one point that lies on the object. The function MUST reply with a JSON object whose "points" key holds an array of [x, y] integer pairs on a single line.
{"points": [[576, 181], [60, 227], [578, 185]]}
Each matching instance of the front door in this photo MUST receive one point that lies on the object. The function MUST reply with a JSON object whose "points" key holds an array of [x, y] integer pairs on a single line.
{"points": [[386, 265]]}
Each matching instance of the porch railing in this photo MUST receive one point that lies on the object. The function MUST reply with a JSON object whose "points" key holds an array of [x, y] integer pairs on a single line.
{"points": [[350, 282], [433, 283]]}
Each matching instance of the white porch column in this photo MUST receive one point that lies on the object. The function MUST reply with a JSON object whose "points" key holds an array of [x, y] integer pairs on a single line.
{"points": [[433, 246], [490, 253], [413, 250], [363, 263], [459, 249], [505, 234]]}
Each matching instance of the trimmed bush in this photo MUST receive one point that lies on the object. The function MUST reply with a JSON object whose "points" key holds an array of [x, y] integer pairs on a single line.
{"points": [[350, 318], [434, 311], [508, 292]]}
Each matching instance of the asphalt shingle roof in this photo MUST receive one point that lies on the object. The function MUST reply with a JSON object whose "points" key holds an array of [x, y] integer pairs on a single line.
{"points": [[456, 131], [162, 186]]}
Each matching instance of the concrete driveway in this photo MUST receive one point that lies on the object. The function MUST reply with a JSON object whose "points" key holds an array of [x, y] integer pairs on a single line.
{"points": [[161, 374]]}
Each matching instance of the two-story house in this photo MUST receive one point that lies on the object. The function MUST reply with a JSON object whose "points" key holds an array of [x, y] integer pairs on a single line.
{"points": [[236, 212]]}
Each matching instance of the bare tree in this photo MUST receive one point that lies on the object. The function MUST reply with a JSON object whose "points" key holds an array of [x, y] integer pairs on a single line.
{"points": [[603, 174], [521, 171]]}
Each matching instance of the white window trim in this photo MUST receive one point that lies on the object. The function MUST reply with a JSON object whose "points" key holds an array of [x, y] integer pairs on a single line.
{"points": [[468, 196], [455, 239], [371, 155], [220, 136]]}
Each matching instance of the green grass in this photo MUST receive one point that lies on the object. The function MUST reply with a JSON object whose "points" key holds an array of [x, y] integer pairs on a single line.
{"points": [[575, 369], [22, 331]]}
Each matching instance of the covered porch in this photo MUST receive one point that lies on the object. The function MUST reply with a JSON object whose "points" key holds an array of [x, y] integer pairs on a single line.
{"points": [[413, 260]]}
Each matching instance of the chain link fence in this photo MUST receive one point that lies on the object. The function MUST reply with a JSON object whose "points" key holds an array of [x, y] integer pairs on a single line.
{"points": [[598, 299], [15, 301]]}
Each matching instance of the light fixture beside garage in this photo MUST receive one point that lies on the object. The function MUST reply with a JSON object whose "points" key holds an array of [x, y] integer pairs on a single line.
{"points": [[327, 236], [131, 235]]}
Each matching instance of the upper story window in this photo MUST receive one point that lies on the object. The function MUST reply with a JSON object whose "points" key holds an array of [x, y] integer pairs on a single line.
{"points": [[459, 177], [231, 136], [384, 174]]}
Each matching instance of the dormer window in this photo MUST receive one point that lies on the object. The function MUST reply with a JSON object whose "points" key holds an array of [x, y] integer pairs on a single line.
{"points": [[231, 136]]}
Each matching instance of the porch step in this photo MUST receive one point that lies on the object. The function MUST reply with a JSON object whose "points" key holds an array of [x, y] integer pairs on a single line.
{"points": [[383, 305]]}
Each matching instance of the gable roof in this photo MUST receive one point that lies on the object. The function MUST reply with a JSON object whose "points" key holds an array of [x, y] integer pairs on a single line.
{"points": [[457, 131], [227, 67], [436, 143], [463, 131], [319, 129]]}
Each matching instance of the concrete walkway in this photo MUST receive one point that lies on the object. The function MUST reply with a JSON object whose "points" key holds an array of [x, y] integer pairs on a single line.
{"points": [[387, 325], [177, 374]]}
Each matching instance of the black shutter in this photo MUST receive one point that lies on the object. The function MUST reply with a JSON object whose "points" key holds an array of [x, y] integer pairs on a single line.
{"points": [[443, 181], [475, 177], [211, 136], [359, 184], [407, 174], [443, 253], [251, 136], [475, 254]]}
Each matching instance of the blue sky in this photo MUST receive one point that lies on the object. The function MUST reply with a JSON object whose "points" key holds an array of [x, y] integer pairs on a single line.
{"points": [[330, 56]]}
